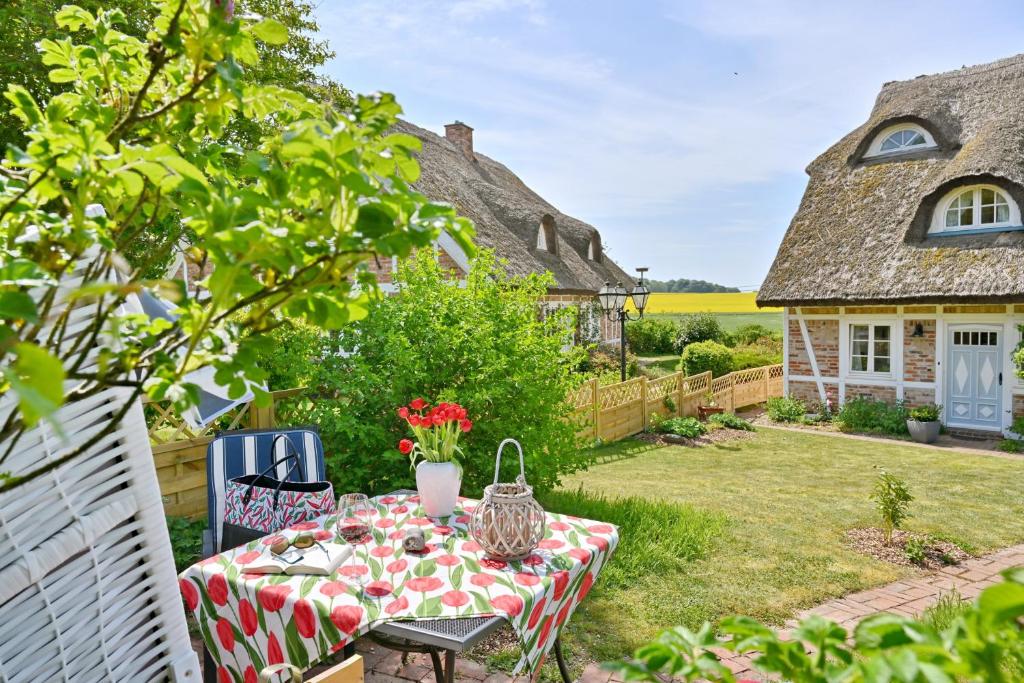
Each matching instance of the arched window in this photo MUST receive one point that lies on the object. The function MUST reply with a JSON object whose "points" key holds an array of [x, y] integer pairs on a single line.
{"points": [[594, 248], [547, 235], [976, 207], [900, 138]]}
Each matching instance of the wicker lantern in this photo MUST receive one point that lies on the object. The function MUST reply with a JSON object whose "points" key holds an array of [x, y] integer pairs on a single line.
{"points": [[508, 523]]}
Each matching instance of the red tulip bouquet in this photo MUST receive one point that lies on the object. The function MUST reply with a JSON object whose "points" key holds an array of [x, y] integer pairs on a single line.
{"points": [[438, 472], [436, 429]]}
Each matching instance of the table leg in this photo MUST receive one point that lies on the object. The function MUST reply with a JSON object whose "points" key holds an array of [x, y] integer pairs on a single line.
{"points": [[562, 668], [209, 666], [438, 670], [449, 666]]}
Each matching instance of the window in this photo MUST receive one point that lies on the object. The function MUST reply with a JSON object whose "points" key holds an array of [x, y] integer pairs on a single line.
{"points": [[594, 248], [975, 339], [978, 207], [547, 235], [900, 138], [871, 348]]}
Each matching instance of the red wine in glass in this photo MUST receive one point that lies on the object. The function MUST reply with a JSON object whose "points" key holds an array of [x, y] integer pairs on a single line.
{"points": [[353, 532]]}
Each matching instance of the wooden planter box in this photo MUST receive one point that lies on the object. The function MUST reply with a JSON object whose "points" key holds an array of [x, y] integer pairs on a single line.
{"points": [[704, 411]]}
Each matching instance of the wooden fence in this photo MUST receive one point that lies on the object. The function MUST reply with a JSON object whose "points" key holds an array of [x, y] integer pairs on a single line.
{"points": [[615, 411], [609, 413]]}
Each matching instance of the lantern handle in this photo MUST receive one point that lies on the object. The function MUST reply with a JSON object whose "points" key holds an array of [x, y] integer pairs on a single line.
{"points": [[521, 479]]}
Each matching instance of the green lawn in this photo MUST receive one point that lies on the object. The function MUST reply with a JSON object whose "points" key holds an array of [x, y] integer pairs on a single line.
{"points": [[759, 526], [732, 321]]}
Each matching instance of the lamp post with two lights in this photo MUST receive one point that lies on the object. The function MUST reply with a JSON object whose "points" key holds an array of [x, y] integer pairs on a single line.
{"points": [[613, 303]]}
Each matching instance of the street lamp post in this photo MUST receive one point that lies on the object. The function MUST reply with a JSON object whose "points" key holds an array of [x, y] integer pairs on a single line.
{"points": [[613, 303]]}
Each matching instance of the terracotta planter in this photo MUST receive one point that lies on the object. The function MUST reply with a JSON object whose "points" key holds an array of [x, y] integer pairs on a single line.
{"points": [[438, 486], [924, 432], [704, 411]]}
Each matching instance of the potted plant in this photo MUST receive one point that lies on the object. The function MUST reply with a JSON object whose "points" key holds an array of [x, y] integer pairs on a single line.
{"points": [[438, 472], [709, 406], [923, 423]]}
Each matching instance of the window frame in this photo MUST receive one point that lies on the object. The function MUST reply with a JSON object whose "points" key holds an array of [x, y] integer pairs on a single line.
{"points": [[938, 224], [875, 148], [871, 355]]}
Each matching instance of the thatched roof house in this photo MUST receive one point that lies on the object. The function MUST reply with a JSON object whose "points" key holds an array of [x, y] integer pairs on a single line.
{"points": [[529, 233], [903, 269]]}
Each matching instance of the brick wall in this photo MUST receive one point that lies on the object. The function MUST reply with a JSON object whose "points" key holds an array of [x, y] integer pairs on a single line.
{"points": [[382, 268], [448, 263], [919, 352], [917, 397], [887, 394], [824, 335], [808, 393], [1018, 406]]}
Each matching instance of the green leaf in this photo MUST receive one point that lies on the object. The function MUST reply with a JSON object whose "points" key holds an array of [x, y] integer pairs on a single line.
{"points": [[270, 32], [374, 221], [38, 378], [73, 17], [18, 306]]}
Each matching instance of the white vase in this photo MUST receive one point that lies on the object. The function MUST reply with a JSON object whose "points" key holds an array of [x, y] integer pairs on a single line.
{"points": [[438, 485]]}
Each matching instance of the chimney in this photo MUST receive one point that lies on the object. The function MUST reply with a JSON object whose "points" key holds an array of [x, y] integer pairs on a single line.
{"points": [[461, 136]]}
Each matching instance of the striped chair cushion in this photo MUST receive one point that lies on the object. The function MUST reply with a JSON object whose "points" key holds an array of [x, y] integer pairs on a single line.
{"points": [[247, 451]]}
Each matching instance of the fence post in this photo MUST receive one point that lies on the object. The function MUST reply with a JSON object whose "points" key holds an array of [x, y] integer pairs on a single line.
{"points": [[643, 401], [596, 405], [261, 418], [732, 392], [767, 383]]}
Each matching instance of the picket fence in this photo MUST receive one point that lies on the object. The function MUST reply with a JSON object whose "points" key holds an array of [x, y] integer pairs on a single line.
{"points": [[606, 413]]}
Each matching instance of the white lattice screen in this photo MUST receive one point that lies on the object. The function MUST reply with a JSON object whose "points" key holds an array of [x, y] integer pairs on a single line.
{"points": [[88, 590]]}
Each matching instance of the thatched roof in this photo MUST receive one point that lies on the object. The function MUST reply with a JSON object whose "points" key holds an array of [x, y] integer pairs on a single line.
{"points": [[860, 234], [508, 215]]}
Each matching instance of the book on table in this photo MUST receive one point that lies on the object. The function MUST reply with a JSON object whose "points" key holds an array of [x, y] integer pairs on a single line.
{"points": [[319, 559]]}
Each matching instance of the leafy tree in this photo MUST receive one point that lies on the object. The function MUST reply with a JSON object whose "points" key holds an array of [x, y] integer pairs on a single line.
{"points": [[286, 226], [984, 642], [482, 345], [706, 355], [698, 327], [688, 286], [892, 499]]}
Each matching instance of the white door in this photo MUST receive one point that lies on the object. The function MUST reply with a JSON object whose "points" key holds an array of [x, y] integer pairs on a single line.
{"points": [[974, 377]]}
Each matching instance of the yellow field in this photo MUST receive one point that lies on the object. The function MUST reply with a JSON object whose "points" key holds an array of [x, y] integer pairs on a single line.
{"points": [[735, 302]]}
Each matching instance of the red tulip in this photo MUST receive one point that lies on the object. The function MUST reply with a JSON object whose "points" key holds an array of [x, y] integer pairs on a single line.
{"points": [[471, 547], [223, 676], [271, 540], [579, 554], [536, 614], [588, 581], [217, 589], [246, 558], [304, 526], [397, 566], [443, 529], [323, 535], [274, 655], [524, 579], [379, 589], [600, 528], [272, 597], [226, 634], [415, 420], [382, 551], [455, 598], [533, 560], [398, 605], [247, 615], [305, 619], [511, 605], [422, 584], [598, 542], [417, 404], [189, 593], [347, 618], [561, 580], [466, 425], [558, 526], [550, 544], [354, 571], [482, 580], [384, 523], [250, 675], [564, 613], [403, 413], [448, 560], [493, 564], [333, 588], [544, 631], [405, 446]]}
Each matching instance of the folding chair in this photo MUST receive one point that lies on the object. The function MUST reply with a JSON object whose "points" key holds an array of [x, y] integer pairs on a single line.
{"points": [[247, 451]]}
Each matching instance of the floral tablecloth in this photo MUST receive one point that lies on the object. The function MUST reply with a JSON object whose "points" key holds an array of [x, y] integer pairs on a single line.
{"points": [[251, 620]]}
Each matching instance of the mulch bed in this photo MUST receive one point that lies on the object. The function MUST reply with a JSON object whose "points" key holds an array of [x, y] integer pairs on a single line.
{"points": [[713, 436], [937, 554]]}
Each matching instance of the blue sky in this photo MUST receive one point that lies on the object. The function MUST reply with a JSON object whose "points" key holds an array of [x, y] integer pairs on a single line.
{"points": [[681, 130]]}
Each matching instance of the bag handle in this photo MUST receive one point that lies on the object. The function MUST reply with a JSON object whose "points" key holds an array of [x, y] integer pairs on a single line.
{"points": [[294, 455], [521, 479]]}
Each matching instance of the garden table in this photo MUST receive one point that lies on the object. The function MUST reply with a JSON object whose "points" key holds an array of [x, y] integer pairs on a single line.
{"points": [[250, 620]]}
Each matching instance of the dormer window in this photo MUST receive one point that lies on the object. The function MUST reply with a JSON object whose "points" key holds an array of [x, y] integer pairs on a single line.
{"points": [[594, 248], [975, 208], [899, 139], [547, 235]]}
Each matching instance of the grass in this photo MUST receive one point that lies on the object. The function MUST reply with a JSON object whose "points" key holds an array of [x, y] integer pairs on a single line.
{"points": [[945, 610], [775, 508], [732, 321]]}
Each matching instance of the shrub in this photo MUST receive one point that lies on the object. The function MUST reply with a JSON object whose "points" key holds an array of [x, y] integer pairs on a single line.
{"points": [[914, 550], [753, 334], [186, 541], [1017, 426], [756, 355], [706, 355], [928, 412], [892, 500], [482, 345], [698, 327], [651, 336], [690, 427], [785, 409], [865, 414], [604, 362], [730, 421], [1010, 446]]}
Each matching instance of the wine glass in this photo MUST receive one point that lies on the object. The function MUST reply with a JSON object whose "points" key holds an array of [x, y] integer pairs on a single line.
{"points": [[354, 522]]}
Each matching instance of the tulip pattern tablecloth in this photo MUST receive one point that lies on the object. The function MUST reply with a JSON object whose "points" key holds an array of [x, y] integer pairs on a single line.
{"points": [[252, 620]]}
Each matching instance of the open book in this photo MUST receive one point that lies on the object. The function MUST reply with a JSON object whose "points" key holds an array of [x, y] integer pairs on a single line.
{"points": [[320, 559]]}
